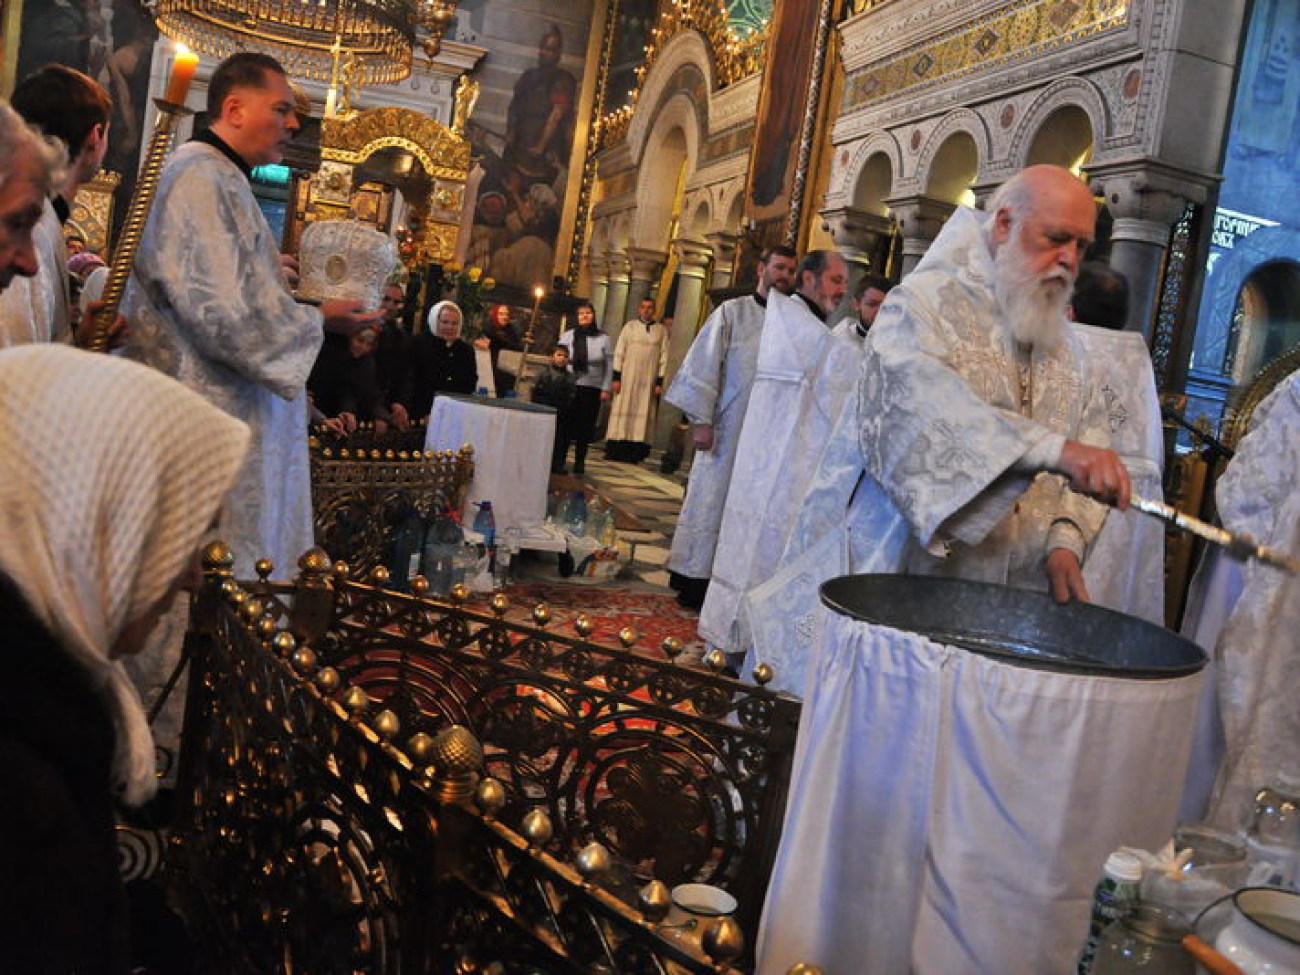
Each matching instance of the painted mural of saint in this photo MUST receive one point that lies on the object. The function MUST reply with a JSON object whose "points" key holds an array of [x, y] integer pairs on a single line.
{"points": [[518, 209]]}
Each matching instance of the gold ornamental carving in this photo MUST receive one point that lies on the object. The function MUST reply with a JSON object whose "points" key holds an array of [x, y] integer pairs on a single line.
{"points": [[92, 211], [734, 57], [441, 152], [444, 155], [1018, 30]]}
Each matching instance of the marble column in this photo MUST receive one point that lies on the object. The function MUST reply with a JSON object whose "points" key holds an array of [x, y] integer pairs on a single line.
{"points": [[615, 292], [920, 218], [1145, 199], [692, 266], [860, 236], [724, 258], [862, 239], [596, 273], [982, 192], [644, 267]]}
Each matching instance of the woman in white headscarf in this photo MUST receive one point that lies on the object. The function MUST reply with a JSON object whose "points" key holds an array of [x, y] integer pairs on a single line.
{"points": [[111, 474], [444, 362]]}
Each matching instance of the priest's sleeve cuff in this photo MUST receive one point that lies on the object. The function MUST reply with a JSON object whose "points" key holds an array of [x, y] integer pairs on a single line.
{"points": [[1065, 534], [1042, 456]]}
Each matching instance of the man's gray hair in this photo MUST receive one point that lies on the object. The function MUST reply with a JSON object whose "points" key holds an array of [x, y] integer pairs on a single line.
{"points": [[1015, 194], [16, 135]]}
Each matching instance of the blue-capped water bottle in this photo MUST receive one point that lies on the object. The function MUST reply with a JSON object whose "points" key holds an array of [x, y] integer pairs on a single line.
{"points": [[485, 524]]}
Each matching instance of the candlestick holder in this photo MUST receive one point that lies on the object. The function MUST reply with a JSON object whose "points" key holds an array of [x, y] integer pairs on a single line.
{"points": [[146, 187]]}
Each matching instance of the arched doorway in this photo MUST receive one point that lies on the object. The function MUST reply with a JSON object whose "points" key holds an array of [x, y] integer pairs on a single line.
{"points": [[1266, 320], [953, 170], [1064, 139]]}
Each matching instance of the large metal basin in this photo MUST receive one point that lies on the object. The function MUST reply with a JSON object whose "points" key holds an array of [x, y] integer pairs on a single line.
{"points": [[1022, 627]]}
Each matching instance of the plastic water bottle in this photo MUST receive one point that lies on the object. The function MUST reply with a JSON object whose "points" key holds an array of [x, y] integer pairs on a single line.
{"points": [[608, 533], [1115, 895], [408, 540], [486, 524], [442, 543], [575, 519], [595, 518]]}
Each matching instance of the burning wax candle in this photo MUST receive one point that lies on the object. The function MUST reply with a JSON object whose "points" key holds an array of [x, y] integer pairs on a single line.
{"points": [[178, 86]]}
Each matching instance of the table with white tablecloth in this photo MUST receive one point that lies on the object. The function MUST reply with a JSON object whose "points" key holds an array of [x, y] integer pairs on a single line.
{"points": [[512, 460], [950, 812]]}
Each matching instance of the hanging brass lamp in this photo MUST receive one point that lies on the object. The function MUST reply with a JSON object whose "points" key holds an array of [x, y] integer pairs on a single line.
{"points": [[304, 35]]}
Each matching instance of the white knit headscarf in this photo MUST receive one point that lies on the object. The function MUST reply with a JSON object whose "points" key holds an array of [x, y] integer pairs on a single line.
{"points": [[432, 318], [110, 473]]}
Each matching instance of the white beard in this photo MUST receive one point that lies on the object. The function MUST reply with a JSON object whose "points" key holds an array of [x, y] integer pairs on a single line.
{"points": [[1033, 306]]}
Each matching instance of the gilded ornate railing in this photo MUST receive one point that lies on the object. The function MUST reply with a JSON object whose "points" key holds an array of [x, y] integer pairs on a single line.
{"points": [[331, 748], [361, 488]]}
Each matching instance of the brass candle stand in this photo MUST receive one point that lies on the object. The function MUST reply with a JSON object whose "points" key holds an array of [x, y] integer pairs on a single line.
{"points": [[146, 186]]}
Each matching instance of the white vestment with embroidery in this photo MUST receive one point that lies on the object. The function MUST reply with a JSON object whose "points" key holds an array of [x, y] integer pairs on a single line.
{"points": [[927, 470], [803, 375], [713, 386], [209, 307]]}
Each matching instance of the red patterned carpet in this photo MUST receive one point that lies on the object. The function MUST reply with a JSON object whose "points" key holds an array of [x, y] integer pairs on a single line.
{"points": [[654, 616]]}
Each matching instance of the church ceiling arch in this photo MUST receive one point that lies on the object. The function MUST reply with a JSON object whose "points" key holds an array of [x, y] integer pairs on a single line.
{"points": [[1068, 93], [620, 234], [1266, 246], [734, 208], [1064, 139], [957, 149], [875, 184], [600, 236], [862, 173], [701, 218], [683, 70], [668, 161]]}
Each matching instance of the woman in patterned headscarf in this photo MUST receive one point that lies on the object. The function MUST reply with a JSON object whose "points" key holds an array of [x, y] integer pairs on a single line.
{"points": [[110, 476]]}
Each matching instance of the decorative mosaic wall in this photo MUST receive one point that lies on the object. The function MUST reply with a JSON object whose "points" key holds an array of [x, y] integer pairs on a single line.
{"points": [[1016, 31]]}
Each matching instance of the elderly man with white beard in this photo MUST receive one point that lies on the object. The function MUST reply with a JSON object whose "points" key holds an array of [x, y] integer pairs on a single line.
{"points": [[975, 407], [975, 415]]}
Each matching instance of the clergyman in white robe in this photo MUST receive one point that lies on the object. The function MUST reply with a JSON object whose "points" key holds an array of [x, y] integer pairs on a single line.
{"points": [[1125, 568], [803, 375], [209, 307], [1250, 734], [640, 358], [712, 386]]}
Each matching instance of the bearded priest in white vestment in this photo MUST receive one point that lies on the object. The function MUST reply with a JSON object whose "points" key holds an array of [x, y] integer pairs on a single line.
{"points": [[640, 358], [974, 395], [975, 407], [803, 375], [712, 388], [210, 307]]}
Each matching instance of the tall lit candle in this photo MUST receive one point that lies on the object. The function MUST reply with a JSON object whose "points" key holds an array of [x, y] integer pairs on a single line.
{"points": [[183, 67]]}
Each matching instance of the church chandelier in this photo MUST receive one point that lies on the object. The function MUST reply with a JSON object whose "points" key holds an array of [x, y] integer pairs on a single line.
{"points": [[306, 36]]}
